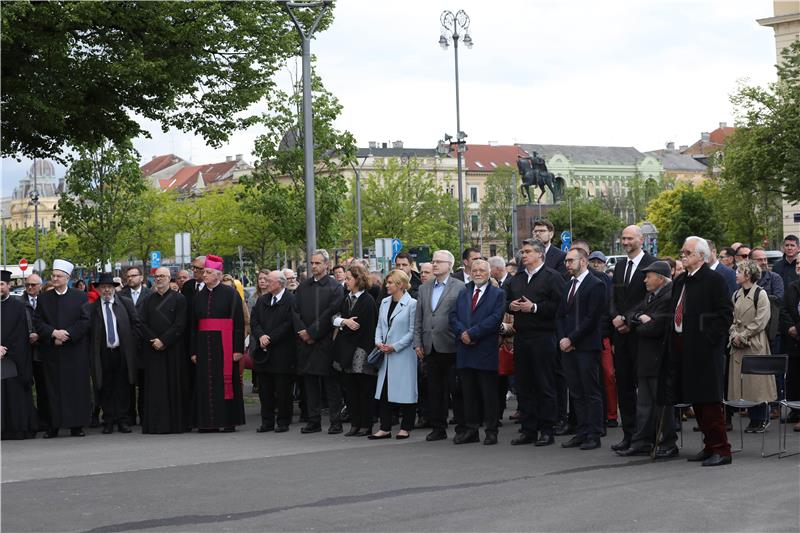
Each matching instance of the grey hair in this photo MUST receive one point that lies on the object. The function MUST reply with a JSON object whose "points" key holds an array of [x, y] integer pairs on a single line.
{"points": [[323, 252], [281, 277], [497, 262], [447, 254], [536, 244], [701, 246], [750, 268], [476, 262]]}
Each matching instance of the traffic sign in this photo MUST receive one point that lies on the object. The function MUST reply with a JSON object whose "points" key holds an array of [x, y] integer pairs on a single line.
{"points": [[155, 259], [397, 245], [566, 240], [23, 264]]}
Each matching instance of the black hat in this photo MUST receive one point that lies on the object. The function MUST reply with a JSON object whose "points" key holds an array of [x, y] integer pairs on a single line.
{"points": [[106, 278], [659, 267], [5, 275]]}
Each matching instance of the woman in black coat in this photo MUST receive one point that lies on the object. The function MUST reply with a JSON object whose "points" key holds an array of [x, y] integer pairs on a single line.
{"points": [[273, 350], [356, 323], [790, 329]]}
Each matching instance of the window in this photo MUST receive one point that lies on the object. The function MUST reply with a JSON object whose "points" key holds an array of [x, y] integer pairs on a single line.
{"points": [[473, 195], [493, 225], [492, 249], [474, 222], [53, 225]]}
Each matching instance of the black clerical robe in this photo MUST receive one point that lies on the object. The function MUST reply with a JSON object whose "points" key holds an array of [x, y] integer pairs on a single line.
{"points": [[67, 366], [217, 333], [167, 404], [18, 413]]}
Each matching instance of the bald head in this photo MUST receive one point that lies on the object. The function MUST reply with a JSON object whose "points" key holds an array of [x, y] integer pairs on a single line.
{"points": [[632, 240], [161, 277], [33, 285]]}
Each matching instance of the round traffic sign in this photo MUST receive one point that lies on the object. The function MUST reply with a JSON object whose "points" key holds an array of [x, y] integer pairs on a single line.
{"points": [[23, 264]]}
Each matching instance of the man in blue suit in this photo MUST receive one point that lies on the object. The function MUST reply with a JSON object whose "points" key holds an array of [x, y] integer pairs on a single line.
{"points": [[475, 321], [580, 340], [726, 272]]}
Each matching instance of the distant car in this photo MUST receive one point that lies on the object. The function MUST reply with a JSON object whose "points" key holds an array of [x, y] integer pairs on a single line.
{"points": [[17, 291], [773, 256], [611, 260]]}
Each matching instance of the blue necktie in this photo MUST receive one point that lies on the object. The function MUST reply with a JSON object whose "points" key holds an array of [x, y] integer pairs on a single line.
{"points": [[111, 337]]}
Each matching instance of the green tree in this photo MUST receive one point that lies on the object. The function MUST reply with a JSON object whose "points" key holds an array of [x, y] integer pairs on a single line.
{"points": [[52, 245], [403, 201], [76, 73], [590, 221], [151, 230], [763, 154], [496, 205], [101, 186], [684, 211], [277, 186]]}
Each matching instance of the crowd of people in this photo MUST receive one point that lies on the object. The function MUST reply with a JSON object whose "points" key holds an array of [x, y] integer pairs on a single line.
{"points": [[581, 346]]}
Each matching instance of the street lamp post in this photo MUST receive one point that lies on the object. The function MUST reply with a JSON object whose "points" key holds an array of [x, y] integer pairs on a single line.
{"points": [[308, 134], [455, 27], [34, 195], [359, 244]]}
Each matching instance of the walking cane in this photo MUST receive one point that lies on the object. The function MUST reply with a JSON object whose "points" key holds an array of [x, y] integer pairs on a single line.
{"points": [[659, 430]]}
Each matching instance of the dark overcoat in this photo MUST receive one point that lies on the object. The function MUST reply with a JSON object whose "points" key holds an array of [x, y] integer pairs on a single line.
{"points": [[129, 329], [651, 337], [276, 321], [366, 312], [316, 301]]}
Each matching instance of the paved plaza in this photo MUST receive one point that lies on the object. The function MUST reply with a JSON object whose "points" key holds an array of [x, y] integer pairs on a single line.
{"points": [[247, 481]]}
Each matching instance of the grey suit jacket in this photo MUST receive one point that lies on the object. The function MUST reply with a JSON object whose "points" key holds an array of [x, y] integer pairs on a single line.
{"points": [[432, 326]]}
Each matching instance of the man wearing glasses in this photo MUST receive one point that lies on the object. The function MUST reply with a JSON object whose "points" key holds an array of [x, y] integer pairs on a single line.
{"points": [[190, 289], [137, 292], [33, 286], [543, 231]]}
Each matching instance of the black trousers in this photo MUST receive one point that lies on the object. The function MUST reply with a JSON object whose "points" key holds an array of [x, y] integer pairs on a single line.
{"points": [[42, 407], [407, 410], [115, 394], [137, 400], [313, 387], [423, 411], [648, 414], [442, 383], [625, 370], [535, 360], [480, 398], [582, 371], [502, 390], [360, 393], [275, 390]]}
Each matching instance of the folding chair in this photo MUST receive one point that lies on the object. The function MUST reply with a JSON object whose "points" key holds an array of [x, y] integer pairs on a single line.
{"points": [[759, 365], [680, 422], [789, 405]]}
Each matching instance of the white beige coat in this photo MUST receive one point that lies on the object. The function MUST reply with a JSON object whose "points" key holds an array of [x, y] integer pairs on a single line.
{"points": [[749, 324]]}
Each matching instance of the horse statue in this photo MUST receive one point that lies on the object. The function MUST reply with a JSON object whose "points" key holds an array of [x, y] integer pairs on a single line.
{"points": [[533, 172]]}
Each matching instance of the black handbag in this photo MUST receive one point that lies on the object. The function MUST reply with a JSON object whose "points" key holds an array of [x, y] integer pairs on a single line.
{"points": [[375, 358]]}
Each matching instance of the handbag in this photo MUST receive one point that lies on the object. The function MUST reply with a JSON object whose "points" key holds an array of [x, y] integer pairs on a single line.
{"points": [[506, 362], [375, 358]]}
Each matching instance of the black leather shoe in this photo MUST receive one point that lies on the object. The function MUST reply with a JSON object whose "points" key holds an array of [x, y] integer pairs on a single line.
{"points": [[335, 429], [545, 439], [631, 452], [466, 437], [77, 432], [702, 455], [263, 429], [718, 460], [666, 453], [281, 429], [123, 428], [491, 438], [311, 428], [523, 439], [436, 434], [622, 445], [375, 436], [422, 423], [229, 429], [53, 433], [565, 428], [108, 429], [590, 444], [364, 432], [574, 442], [352, 433]]}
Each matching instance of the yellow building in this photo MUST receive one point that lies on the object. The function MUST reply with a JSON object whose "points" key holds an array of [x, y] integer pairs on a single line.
{"points": [[22, 212]]}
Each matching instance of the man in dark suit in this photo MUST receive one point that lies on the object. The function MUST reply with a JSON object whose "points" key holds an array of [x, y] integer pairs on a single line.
{"points": [[699, 333], [435, 346], [497, 267], [115, 331], [467, 256], [33, 286], [274, 352], [190, 289], [403, 262], [580, 341], [136, 290], [650, 320], [533, 296], [627, 291], [727, 273], [475, 322], [543, 230]]}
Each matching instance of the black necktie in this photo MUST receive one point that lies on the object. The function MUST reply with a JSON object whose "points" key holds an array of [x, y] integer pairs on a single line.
{"points": [[274, 301], [628, 272], [572, 291], [352, 302]]}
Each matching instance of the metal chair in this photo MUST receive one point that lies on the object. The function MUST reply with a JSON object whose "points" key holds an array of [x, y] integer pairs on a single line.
{"points": [[758, 365], [680, 422], [789, 405]]}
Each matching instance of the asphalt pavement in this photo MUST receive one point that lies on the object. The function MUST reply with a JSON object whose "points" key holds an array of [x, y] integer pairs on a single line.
{"points": [[248, 481]]}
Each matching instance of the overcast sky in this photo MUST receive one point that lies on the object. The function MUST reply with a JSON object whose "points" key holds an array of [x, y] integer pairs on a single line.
{"points": [[617, 73]]}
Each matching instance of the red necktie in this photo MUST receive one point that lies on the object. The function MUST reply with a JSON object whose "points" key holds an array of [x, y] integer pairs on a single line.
{"points": [[572, 291], [679, 310], [475, 298]]}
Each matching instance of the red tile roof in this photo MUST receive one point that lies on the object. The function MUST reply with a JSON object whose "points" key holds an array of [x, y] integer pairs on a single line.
{"points": [[719, 135], [159, 163], [715, 142], [187, 177], [487, 157]]}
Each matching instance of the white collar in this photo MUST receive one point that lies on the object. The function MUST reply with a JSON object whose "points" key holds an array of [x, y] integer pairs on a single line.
{"points": [[66, 289], [714, 266], [581, 277], [437, 283], [277, 297], [357, 294], [535, 270]]}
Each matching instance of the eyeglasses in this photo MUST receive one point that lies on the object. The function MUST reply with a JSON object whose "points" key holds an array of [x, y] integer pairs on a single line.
{"points": [[32, 284], [541, 230], [687, 253], [743, 256], [439, 261], [197, 268], [160, 276]]}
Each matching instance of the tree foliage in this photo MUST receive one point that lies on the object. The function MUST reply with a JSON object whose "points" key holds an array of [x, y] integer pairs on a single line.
{"points": [[151, 230], [763, 155], [52, 245], [684, 211], [102, 186], [496, 205], [405, 202], [590, 221], [74, 73]]}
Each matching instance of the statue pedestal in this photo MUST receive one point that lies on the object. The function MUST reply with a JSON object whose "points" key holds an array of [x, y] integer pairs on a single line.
{"points": [[527, 214]]}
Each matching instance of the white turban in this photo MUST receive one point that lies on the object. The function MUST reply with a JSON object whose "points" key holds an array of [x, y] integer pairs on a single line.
{"points": [[64, 266]]}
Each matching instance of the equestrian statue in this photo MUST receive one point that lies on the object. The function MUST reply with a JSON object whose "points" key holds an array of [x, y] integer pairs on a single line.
{"points": [[533, 172]]}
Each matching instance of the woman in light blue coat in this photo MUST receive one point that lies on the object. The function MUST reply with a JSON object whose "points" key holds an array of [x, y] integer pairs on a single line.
{"points": [[397, 376]]}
